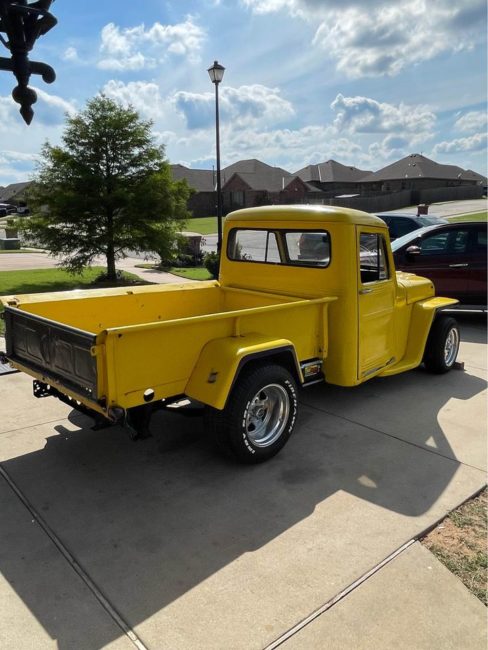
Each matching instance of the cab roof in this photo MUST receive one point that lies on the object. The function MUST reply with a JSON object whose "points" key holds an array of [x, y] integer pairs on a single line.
{"points": [[318, 213]]}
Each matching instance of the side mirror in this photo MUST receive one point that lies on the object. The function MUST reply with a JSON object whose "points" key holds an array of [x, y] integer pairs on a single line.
{"points": [[412, 251]]}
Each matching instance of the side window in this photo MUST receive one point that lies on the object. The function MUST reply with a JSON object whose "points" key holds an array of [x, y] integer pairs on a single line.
{"points": [[237, 198], [373, 259], [434, 244], [458, 241], [480, 240], [308, 247], [254, 246], [448, 242]]}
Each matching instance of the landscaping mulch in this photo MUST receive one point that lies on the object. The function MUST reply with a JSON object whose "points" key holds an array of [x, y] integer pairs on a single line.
{"points": [[460, 542]]}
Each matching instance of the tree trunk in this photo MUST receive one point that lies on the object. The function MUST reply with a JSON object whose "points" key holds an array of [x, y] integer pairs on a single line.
{"points": [[111, 271]]}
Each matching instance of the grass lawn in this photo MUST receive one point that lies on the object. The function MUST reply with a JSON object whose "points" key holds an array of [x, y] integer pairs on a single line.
{"points": [[43, 280], [459, 542], [192, 273], [205, 225], [475, 216]]}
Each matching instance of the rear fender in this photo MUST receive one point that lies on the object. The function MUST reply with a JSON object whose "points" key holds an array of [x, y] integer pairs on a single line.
{"points": [[221, 361]]}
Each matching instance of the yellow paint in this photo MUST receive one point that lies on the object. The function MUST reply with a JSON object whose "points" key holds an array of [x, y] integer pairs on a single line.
{"points": [[191, 338]]}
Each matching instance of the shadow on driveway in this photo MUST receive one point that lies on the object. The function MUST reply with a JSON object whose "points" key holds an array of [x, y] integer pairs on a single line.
{"points": [[150, 521]]}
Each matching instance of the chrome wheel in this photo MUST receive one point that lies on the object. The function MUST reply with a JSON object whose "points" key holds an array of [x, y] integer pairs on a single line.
{"points": [[451, 346], [267, 415]]}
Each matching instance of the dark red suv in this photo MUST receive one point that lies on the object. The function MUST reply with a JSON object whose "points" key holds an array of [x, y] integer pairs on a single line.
{"points": [[453, 256]]}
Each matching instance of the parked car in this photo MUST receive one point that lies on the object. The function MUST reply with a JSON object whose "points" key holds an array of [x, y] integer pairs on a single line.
{"points": [[402, 224], [6, 209], [453, 256]]}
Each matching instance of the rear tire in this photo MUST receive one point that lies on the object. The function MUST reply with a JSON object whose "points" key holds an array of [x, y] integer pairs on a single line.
{"points": [[259, 416], [442, 345]]}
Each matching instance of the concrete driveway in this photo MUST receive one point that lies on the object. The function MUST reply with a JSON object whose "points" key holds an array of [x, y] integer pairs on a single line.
{"points": [[161, 544]]}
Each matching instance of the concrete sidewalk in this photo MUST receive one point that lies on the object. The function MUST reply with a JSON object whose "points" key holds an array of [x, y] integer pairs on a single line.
{"points": [[193, 552]]}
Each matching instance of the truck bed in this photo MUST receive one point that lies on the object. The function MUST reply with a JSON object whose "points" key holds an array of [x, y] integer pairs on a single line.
{"points": [[107, 347]]}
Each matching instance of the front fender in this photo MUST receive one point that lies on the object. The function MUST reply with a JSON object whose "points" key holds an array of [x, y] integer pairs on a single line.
{"points": [[220, 360], [423, 313]]}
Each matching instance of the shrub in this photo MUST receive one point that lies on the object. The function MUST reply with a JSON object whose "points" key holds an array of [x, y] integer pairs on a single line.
{"points": [[211, 262]]}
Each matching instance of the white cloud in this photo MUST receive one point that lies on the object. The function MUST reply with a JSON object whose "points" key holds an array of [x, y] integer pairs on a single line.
{"points": [[144, 96], [135, 48], [54, 102], [70, 54], [243, 106], [472, 121], [378, 37], [366, 115], [16, 165], [475, 142], [291, 149]]}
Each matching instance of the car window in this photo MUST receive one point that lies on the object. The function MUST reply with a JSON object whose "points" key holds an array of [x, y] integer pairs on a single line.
{"points": [[431, 221], [447, 242], [308, 247], [373, 258], [298, 248], [413, 239], [404, 226], [254, 246], [435, 244], [480, 240]]}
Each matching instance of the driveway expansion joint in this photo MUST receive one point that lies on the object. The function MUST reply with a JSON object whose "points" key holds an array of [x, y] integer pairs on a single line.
{"points": [[340, 596], [75, 565]]}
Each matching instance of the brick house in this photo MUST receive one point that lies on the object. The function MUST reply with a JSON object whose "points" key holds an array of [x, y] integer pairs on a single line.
{"points": [[250, 183], [203, 201], [416, 172]]}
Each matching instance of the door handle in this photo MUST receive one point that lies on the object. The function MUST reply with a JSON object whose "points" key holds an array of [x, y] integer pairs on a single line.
{"points": [[457, 266], [363, 291]]}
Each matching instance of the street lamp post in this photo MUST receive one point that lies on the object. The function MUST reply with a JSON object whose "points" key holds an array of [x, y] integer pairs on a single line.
{"points": [[216, 73]]}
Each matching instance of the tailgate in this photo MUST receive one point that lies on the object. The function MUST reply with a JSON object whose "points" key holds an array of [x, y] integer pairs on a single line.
{"points": [[52, 351]]}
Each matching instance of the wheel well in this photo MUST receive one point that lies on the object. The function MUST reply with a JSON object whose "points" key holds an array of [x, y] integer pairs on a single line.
{"points": [[281, 357]]}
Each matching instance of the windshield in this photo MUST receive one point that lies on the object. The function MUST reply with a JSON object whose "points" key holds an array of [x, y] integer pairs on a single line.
{"points": [[431, 221]]}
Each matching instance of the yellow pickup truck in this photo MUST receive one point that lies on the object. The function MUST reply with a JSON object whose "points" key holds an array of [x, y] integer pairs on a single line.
{"points": [[305, 294]]}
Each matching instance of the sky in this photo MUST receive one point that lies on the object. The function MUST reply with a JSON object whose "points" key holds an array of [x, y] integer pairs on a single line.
{"points": [[363, 82]]}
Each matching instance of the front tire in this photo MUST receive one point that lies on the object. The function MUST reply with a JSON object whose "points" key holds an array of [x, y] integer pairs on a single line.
{"points": [[442, 345], [259, 416]]}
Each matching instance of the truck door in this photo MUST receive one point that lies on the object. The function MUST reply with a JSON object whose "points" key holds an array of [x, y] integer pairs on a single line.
{"points": [[376, 302]]}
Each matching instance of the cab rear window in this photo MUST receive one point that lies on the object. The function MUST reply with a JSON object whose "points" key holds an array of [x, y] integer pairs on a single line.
{"points": [[287, 247]]}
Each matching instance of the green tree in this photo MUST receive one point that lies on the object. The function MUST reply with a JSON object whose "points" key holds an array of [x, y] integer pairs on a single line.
{"points": [[108, 189]]}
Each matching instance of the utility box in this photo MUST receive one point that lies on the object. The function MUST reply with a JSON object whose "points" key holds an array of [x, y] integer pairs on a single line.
{"points": [[422, 208]]}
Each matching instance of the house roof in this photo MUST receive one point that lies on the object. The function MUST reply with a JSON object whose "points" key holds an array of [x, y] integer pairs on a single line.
{"points": [[11, 191], [331, 171], [202, 180], [469, 173], [258, 175], [261, 177], [417, 166]]}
